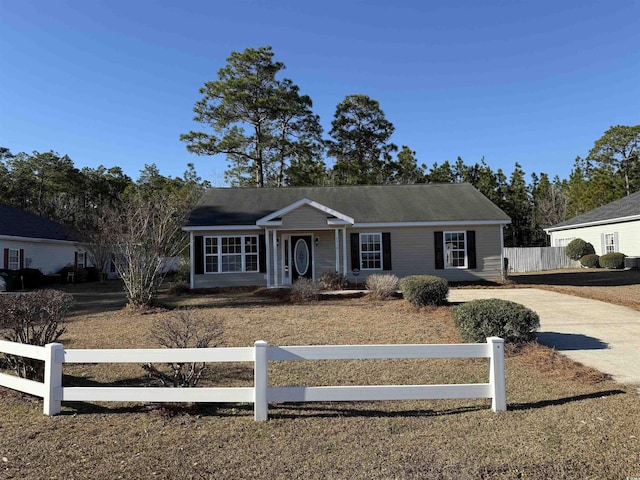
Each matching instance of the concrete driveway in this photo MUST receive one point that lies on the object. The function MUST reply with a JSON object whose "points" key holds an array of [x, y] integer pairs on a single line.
{"points": [[598, 334]]}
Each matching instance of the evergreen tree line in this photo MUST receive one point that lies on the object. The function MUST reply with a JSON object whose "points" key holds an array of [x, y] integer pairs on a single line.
{"points": [[51, 186]]}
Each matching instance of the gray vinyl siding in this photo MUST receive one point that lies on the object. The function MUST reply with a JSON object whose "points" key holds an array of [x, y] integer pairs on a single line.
{"points": [[211, 280], [628, 234], [305, 218], [413, 253]]}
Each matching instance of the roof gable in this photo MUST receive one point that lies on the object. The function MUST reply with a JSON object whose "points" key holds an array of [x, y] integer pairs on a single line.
{"points": [[305, 201], [624, 209], [18, 223], [366, 204]]}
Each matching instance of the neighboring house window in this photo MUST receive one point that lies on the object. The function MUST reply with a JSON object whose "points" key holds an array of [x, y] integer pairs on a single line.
{"points": [[455, 248], [231, 254], [13, 259], [371, 251], [80, 259], [563, 242], [609, 241]]}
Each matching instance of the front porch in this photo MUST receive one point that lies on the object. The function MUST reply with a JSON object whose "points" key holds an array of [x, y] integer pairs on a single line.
{"points": [[292, 254]]}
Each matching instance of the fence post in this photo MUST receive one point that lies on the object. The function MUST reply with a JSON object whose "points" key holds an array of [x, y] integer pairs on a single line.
{"points": [[53, 378], [261, 381], [497, 374]]}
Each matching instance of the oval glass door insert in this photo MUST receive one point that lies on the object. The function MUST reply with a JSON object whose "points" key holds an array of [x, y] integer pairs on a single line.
{"points": [[301, 254]]}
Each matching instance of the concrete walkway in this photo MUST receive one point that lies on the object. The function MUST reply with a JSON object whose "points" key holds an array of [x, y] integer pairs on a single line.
{"points": [[598, 334]]}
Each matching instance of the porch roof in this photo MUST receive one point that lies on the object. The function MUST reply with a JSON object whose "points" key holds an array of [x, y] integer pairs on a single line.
{"points": [[364, 204]]}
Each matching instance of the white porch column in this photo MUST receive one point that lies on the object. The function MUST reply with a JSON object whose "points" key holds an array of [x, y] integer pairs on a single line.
{"points": [[344, 250], [337, 235], [268, 254], [275, 258], [192, 259]]}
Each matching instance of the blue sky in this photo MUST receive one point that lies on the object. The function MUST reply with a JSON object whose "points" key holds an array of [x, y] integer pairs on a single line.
{"points": [[114, 82]]}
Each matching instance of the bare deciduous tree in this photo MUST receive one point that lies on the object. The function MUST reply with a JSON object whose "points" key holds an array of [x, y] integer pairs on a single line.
{"points": [[146, 233]]}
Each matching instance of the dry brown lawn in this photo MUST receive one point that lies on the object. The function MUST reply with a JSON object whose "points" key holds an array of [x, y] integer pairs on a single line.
{"points": [[564, 420]]}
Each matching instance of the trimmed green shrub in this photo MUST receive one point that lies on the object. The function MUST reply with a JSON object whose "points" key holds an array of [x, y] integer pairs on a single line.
{"points": [[382, 286], [578, 248], [480, 319], [422, 290], [590, 261], [612, 260], [79, 277], [93, 274]]}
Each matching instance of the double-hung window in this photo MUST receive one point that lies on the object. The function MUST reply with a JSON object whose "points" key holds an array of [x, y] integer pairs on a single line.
{"points": [[455, 248], [371, 251], [231, 254], [563, 242], [80, 259], [609, 243], [14, 259]]}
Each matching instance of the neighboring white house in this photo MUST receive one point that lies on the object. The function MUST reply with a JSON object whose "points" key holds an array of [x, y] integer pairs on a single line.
{"points": [[273, 236], [31, 241], [614, 227]]}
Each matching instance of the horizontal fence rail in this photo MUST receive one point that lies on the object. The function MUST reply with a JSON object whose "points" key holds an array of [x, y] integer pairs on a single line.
{"points": [[261, 394]]}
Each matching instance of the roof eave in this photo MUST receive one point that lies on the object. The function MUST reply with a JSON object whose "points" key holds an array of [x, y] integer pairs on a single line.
{"points": [[595, 223]]}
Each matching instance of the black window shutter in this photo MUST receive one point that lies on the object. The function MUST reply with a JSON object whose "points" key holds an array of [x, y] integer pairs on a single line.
{"points": [[262, 254], [198, 254], [471, 249], [355, 251], [386, 251], [438, 240], [6, 259], [22, 259]]}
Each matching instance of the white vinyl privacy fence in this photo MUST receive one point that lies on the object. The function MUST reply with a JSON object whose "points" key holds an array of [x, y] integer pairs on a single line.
{"points": [[261, 394], [537, 259]]}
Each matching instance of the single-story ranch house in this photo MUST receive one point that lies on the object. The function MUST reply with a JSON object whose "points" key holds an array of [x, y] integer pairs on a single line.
{"points": [[614, 227], [273, 236], [31, 241]]}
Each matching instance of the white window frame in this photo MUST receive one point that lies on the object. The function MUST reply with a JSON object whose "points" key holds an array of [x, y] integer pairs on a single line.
{"points": [[220, 255], [563, 242], [609, 242], [81, 259], [362, 253], [15, 263], [448, 252]]}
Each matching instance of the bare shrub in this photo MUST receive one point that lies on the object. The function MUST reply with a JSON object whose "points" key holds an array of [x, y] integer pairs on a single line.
{"points": [[382, 286], [333, 281], [304, 290], [183, 329], [35, 318]]}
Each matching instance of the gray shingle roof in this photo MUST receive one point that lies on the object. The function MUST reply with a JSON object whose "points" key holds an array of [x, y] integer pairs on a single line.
{"points": [[365, 204], [628, 206], [18, 223]]}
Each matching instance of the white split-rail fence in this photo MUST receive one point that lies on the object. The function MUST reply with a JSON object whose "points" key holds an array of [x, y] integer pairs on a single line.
{"points": [[261, 394]]}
